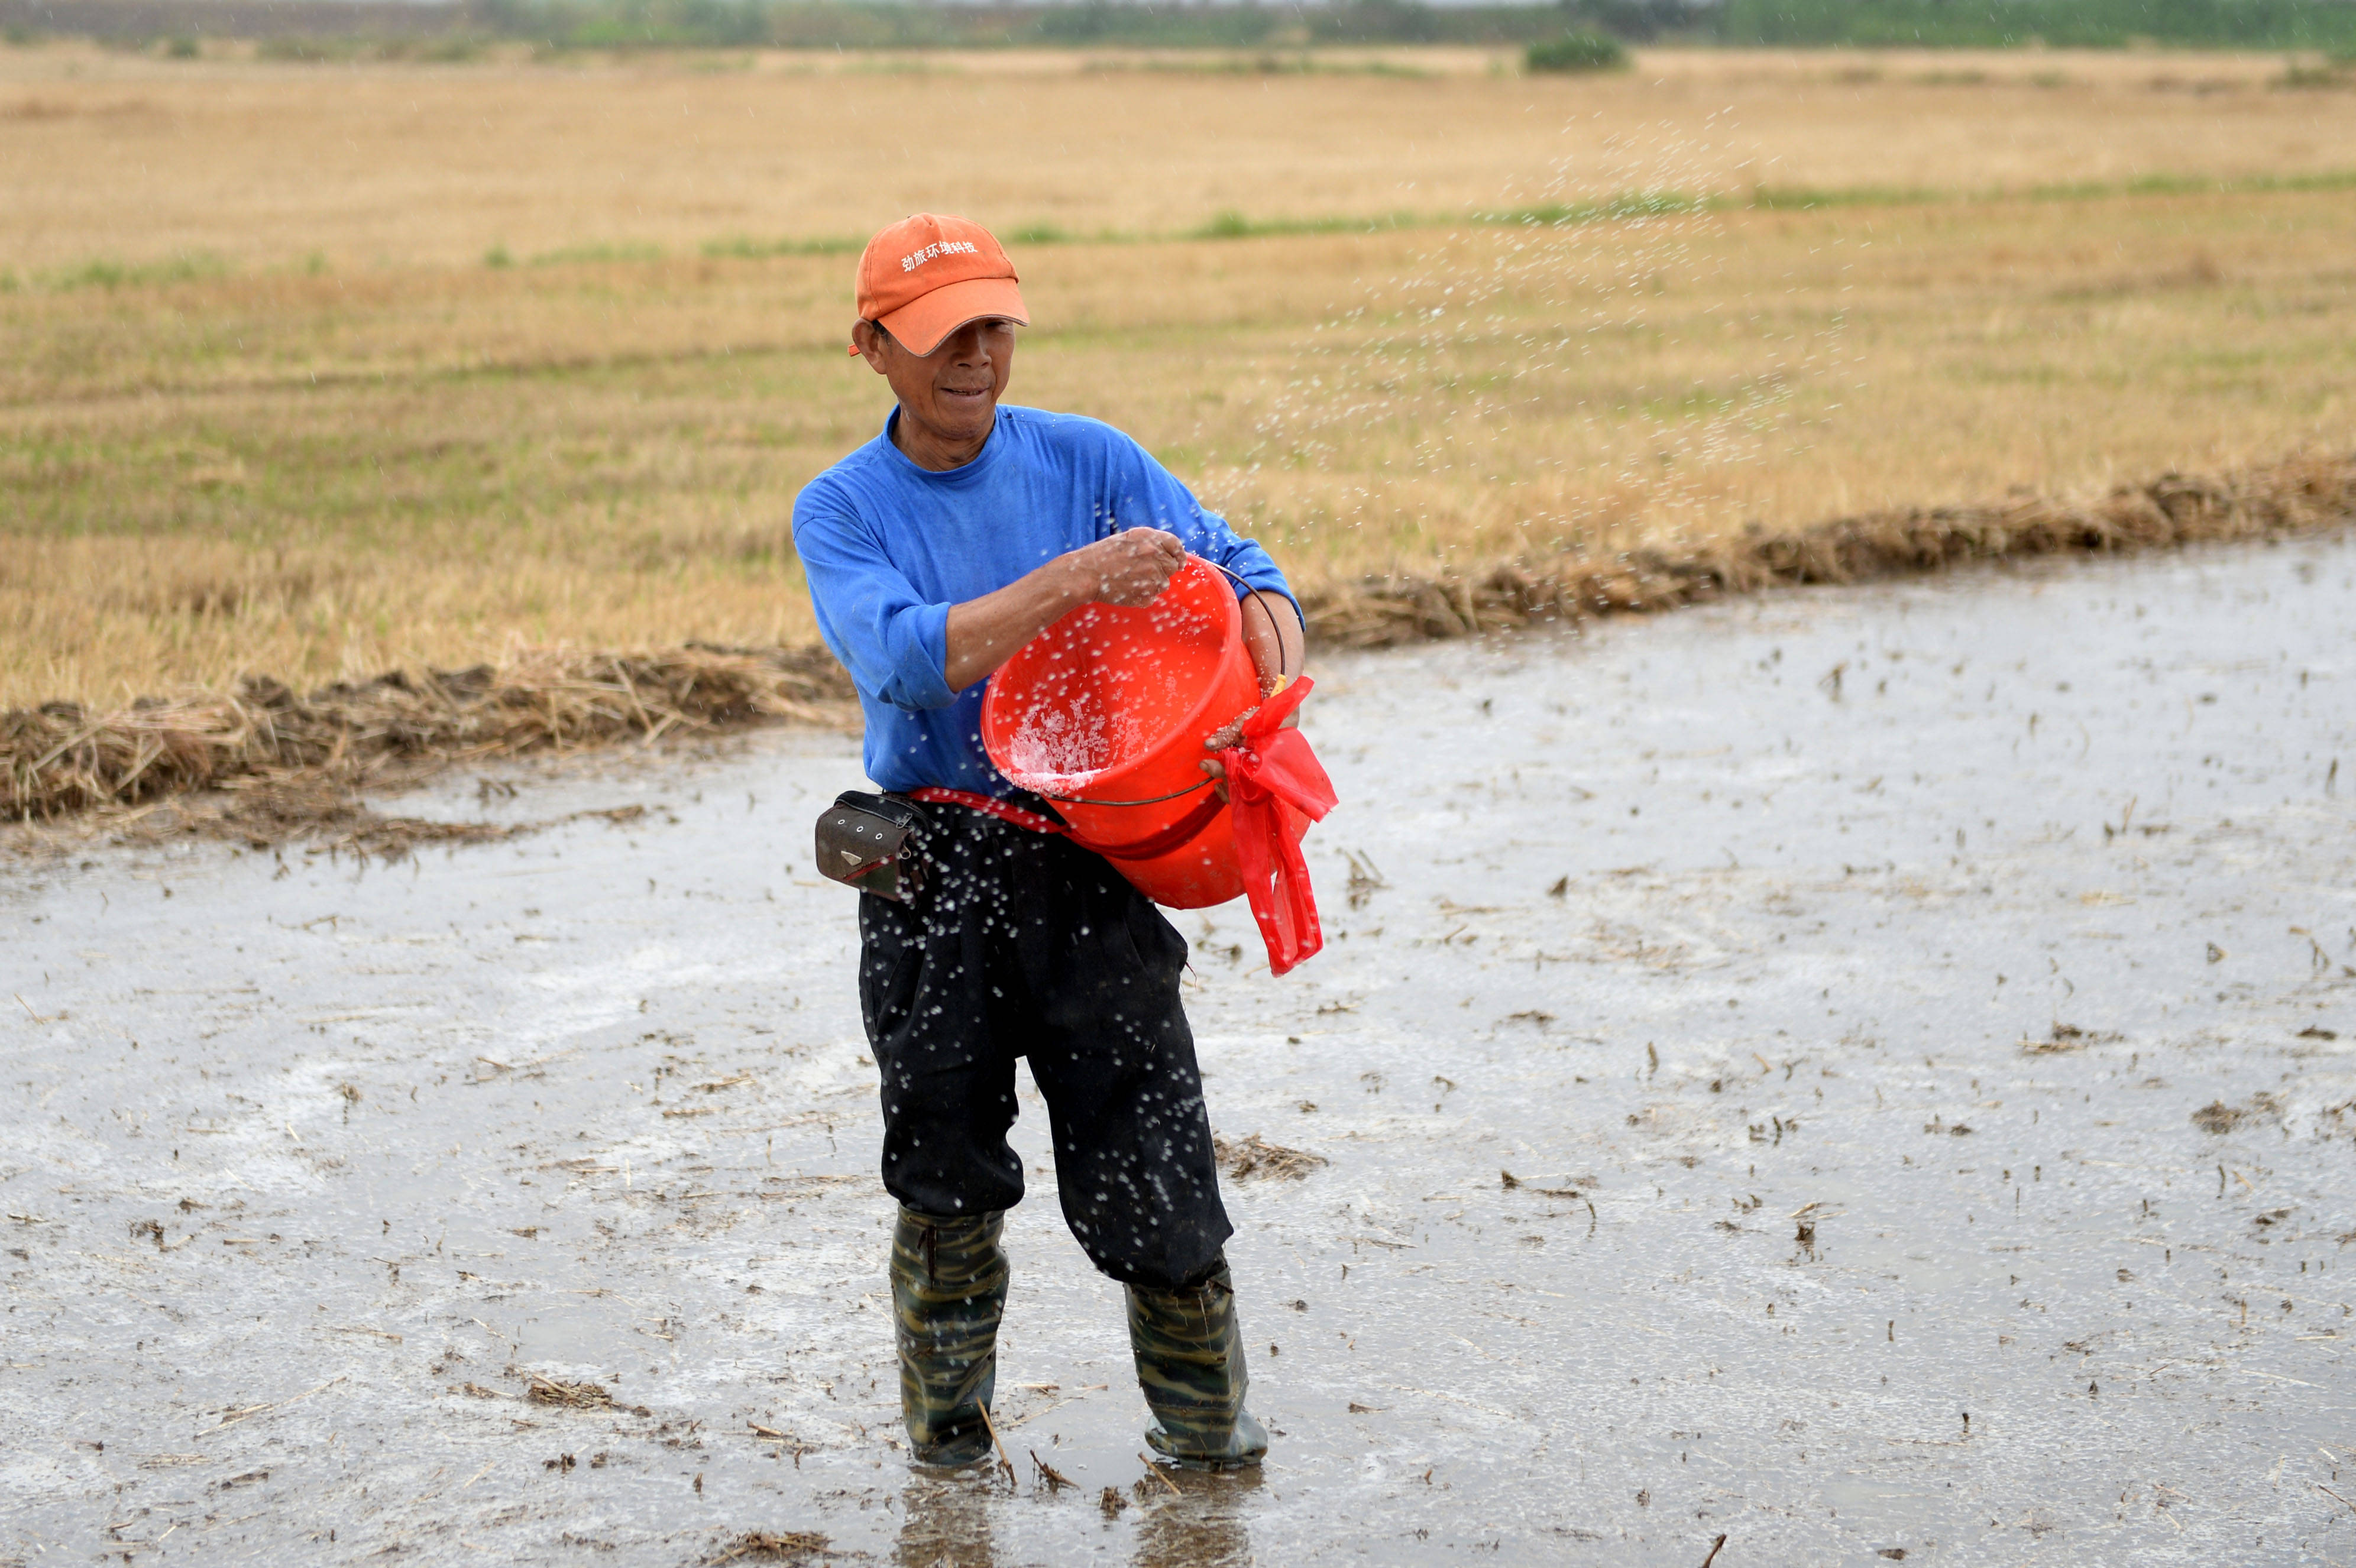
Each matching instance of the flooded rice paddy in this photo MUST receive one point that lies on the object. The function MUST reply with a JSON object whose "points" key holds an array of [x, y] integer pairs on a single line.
{"points": [[1854, 1072]]}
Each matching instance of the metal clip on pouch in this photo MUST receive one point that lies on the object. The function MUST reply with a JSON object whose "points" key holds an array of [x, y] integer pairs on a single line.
{"points": [[868, 841]]}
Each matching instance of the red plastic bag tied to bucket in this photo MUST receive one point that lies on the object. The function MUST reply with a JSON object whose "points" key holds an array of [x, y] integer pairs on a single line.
{"points": [[1269, 767]]}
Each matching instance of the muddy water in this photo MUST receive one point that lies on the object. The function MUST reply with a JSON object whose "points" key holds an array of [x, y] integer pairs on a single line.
{"points": [[1724, 935]]}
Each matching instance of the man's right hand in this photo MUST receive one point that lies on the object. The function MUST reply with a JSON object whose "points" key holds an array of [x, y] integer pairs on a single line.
{"points": [[1131, 566]]}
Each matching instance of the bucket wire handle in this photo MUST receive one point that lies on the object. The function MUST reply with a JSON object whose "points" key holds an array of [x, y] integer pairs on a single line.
{"points": [[1282, 668]]}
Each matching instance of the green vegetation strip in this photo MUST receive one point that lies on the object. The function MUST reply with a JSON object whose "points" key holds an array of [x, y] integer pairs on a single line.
{"points": [[456, 30], [1626, 206], [1232, 225], [2057, 24], [1781, 199]]}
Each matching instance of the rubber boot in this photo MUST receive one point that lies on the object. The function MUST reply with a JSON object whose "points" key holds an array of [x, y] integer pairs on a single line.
{"points": [[1190, 1363], [949, 1288]]}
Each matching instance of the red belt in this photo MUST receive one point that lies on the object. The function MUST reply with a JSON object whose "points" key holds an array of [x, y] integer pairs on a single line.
{"points": [[987, 804], [1175, 835]]}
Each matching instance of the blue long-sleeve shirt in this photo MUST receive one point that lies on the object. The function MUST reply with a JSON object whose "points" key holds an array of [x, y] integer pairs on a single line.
{"points": [[888, 547]]}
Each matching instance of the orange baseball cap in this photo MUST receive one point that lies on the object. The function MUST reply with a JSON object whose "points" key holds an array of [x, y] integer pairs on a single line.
{"points": [[928, 275]]}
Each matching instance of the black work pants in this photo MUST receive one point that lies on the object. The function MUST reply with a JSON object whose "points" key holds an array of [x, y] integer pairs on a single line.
{"points": [[1021, 944]]}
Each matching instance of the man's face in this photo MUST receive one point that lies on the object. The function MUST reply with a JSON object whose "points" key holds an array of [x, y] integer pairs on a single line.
{"points": [[951, 394]]}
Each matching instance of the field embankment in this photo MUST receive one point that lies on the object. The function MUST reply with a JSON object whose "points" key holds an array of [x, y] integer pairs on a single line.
{"points": [[314, 373], [295, 761]]}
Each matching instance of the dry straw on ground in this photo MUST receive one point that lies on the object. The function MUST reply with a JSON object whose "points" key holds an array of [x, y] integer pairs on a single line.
{"points": [[256, 415], [291, 379], [2300, 494], [259, 165], [60, 759]]}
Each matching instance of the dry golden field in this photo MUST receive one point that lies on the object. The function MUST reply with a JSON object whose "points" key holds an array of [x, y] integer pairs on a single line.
{"points": [[316, 371]]}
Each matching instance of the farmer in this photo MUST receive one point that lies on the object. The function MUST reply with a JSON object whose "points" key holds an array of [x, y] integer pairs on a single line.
{"points": [[934, 553]]}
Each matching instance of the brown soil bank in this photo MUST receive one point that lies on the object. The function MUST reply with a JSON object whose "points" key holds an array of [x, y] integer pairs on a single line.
{"points": [[260, 739], [2301, 494], [62, 760]]}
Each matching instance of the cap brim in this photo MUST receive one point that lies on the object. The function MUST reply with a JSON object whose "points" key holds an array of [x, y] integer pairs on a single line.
{"points": [[919, 327]]}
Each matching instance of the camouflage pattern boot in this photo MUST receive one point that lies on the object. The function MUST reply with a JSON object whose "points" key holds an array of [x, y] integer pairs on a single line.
{"points": [[1190, 1363], [949, 1286]]}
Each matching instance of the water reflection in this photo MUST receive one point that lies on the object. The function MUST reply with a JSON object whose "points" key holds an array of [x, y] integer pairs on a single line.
{"points": [[944, 1523], [1199, 1526], [1193, 1521]]}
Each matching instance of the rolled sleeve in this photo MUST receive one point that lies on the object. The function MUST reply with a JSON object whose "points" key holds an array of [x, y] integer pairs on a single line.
{"points": [[892, 640], [1250, 563], [919, 639]]}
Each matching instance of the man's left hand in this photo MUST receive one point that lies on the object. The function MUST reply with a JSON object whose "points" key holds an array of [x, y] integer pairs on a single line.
{"points": [[1221, 739]]}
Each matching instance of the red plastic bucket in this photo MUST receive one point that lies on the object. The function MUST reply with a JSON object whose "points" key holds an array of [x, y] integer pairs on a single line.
{"points": [[1105, 713]]}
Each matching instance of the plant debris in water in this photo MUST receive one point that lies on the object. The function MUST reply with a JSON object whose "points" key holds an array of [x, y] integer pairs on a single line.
{"points": [[789, 1546], [578, 1396], [2219, 1117], [2065, 1038], [1243, 1158]]}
